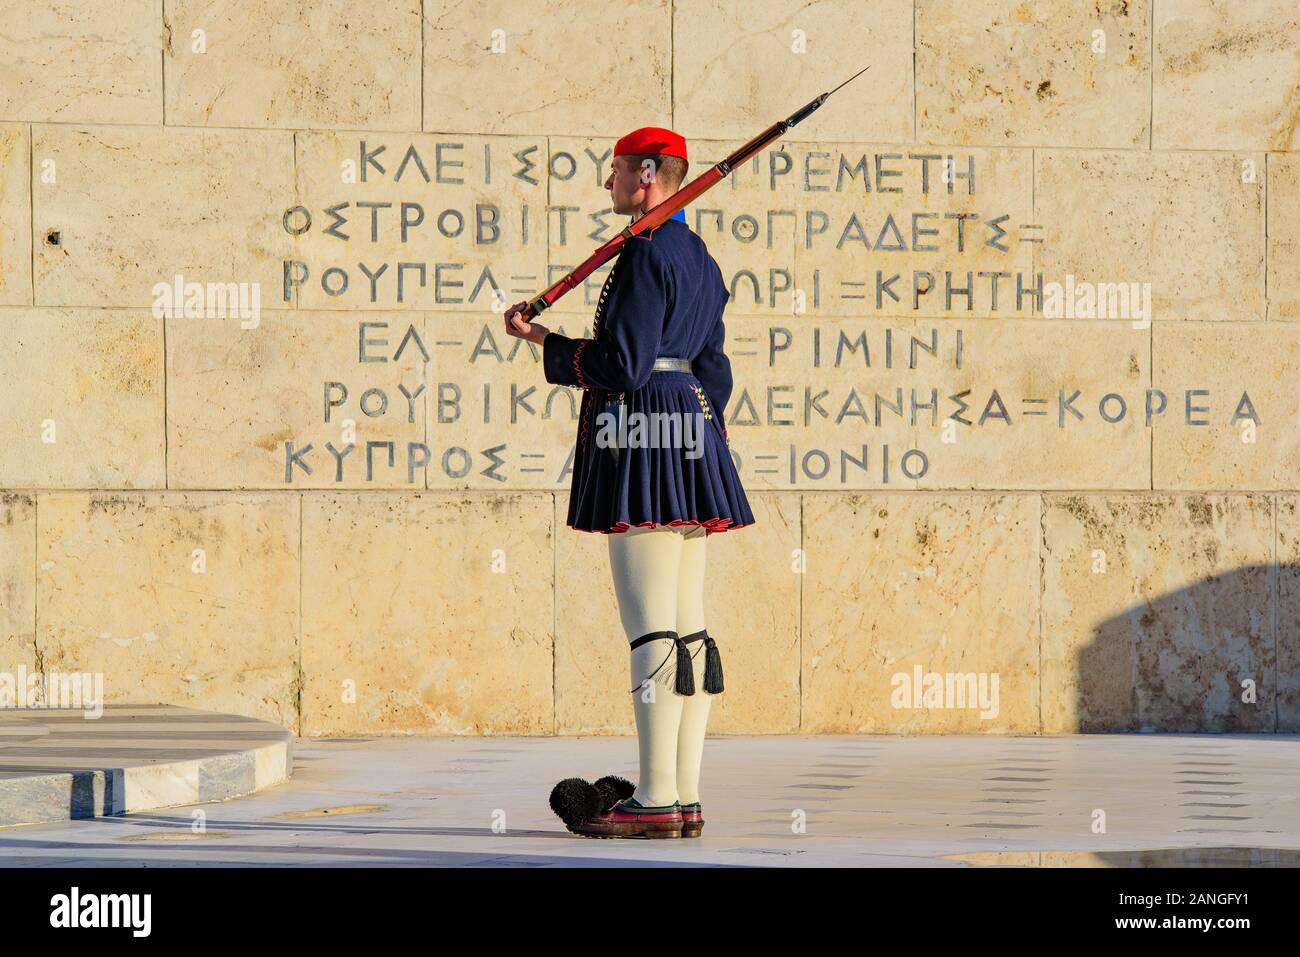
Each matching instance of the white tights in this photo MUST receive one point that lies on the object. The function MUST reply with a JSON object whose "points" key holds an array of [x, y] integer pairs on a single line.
{"points": [[659, 582]]}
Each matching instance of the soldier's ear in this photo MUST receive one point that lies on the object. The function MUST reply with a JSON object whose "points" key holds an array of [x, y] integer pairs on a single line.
{"points": [[647, 175]]}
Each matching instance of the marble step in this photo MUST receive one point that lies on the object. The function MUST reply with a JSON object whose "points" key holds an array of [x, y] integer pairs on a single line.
{"points": [[59, 765]]}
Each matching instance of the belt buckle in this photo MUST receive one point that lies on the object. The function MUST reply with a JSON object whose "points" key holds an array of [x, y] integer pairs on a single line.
{"points": [[673, 364]]}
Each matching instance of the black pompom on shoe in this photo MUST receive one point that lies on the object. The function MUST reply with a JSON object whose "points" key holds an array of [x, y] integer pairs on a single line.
{"points": [[613, 789], [575, 800]]}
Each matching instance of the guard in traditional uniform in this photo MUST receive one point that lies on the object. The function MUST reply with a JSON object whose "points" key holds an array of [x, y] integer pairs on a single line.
{"points": [[656, 347]]}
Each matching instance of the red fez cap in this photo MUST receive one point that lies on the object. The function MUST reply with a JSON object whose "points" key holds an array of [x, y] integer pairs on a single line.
{"points": [[650, 140]]}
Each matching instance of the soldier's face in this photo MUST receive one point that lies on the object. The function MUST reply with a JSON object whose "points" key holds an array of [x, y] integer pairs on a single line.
{"points": [[626, 189]]}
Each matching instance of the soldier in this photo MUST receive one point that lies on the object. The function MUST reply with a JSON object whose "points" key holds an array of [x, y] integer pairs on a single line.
{"points": [[657, 347]]}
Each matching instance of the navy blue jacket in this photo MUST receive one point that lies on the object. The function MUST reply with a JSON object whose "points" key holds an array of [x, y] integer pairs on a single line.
{"points": [[666, 299]]}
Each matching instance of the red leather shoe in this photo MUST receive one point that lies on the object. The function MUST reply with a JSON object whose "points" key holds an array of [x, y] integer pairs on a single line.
{"points": [[692, 819], [629, 819]]}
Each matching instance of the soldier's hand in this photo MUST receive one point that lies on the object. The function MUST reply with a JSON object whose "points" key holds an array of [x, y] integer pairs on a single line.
{"points": [[516, 308], [518, 327]]}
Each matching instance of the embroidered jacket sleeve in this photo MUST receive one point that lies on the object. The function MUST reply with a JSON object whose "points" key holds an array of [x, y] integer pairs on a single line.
{"points": [[622, 355]]}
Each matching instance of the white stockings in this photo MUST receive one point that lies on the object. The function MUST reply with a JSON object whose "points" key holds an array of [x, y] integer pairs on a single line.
{"points": [[659, 581]]}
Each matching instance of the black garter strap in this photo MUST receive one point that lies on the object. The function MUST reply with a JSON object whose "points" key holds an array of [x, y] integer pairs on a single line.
{"points": [[685, 670], [685, 660], [652, 636], [695, 636]]}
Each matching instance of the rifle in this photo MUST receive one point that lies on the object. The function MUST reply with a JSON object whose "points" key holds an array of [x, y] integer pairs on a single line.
{"points": [[678, 200]]}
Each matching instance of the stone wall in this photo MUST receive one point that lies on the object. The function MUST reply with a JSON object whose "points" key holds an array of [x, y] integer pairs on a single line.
{"points": [[342, 508]]}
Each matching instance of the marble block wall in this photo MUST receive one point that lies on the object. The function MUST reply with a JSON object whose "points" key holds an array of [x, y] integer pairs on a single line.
{"points": [[1010, 323]]}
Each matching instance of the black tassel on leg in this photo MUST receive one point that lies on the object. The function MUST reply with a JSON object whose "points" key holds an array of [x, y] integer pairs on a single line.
{"points": [[685, 667], [712, 666], [680, 648], [712, 660]]}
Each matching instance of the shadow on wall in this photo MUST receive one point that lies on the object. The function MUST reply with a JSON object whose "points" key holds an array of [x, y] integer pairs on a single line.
{"points": [[1219, 655]]}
